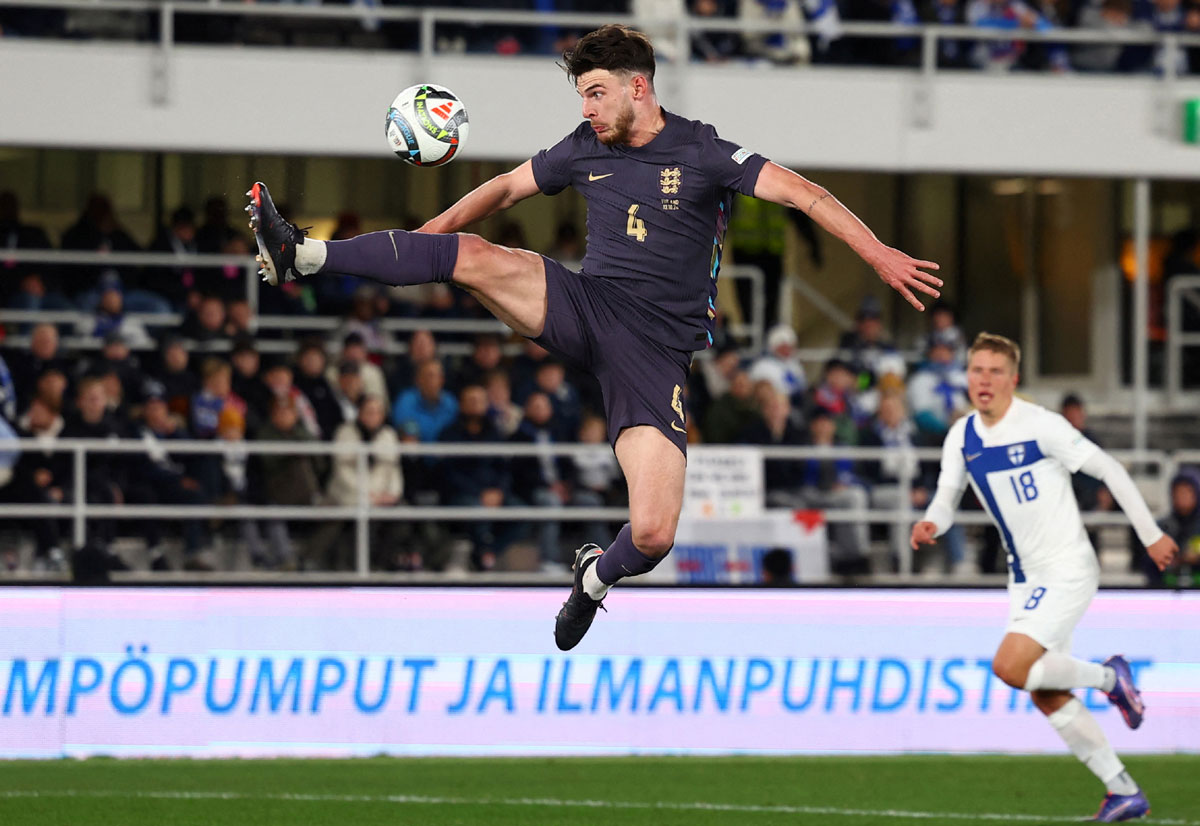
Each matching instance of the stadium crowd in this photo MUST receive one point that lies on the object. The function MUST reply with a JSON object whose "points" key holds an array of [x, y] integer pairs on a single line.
{"points": [[825, 42], [209, 378]]}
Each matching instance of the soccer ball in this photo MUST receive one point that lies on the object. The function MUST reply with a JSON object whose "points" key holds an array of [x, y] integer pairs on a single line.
{"points": [[426, 125]]}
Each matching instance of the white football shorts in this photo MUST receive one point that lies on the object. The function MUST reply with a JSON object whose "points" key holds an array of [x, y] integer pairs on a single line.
{"points": [[1048, 610]]}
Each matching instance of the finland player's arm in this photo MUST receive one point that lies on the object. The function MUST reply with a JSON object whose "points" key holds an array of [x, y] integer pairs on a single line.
{"points": [[952, 481], [487, 199], [898, 270]]}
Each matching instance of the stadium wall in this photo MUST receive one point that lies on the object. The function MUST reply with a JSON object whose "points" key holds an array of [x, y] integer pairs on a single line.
{"points": [[202, 98], [468, 671]]}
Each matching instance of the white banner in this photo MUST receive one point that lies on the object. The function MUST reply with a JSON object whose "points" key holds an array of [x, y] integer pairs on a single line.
{"points": [[723, 483], [454, 671]]}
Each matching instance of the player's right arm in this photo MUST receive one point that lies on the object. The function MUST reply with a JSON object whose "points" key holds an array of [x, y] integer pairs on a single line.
{"points": [[952, 480], [487, 199]]}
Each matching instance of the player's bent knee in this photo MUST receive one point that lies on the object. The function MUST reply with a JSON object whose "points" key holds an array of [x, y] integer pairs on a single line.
{"points": [[654, 541], [1010, 673]]}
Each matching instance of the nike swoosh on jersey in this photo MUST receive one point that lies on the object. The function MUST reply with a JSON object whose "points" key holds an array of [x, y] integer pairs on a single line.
{"points": [[971, 457], [594, 177]]}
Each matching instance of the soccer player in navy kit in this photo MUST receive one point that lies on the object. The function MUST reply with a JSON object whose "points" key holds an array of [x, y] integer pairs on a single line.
{"points": [[658, 189]]}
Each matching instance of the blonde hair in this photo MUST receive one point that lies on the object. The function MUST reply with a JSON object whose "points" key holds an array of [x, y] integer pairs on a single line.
{"points": [[994, 343]]}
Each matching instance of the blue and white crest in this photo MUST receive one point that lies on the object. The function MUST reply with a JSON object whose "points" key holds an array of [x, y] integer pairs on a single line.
{"points": [[1016, 454]]}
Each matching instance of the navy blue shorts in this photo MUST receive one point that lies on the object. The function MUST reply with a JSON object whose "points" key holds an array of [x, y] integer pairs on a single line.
{"points": [[642, 381]]}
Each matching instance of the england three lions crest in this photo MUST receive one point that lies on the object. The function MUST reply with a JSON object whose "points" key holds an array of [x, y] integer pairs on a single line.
{"points": [[669, 180]]}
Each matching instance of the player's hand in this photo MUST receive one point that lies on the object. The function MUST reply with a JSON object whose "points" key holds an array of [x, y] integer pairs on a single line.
{"points": [[923, 533], [903, 273], [1163, 551]]}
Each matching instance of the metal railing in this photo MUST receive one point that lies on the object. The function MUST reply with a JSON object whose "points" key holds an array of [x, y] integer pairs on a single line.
{"points": [[751, 330], [363, 512], [1182, 291]]}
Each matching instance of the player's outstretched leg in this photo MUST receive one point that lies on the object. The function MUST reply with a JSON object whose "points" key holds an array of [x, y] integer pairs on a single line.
{"points": [[576, 615], [393, 257], [1124, 694]]}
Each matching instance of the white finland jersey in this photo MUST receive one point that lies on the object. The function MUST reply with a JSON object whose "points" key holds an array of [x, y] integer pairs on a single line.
{"points": [[1021, 471]]}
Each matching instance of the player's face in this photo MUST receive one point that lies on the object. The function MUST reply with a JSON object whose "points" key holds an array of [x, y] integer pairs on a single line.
{"points": [[607, 105], [991, 382]]}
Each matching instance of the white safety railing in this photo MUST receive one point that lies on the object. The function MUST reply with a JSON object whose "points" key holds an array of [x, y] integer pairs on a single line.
{"points": [[678, 31], [363, 512], [751, 330], [1182, 291]]}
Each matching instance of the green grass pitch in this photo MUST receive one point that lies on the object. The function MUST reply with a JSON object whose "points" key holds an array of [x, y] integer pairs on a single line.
{"points": [[840, 791]]}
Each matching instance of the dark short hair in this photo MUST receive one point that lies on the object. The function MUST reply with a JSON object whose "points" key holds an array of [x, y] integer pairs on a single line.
{"points": [[1071, 400], [613, 47]]}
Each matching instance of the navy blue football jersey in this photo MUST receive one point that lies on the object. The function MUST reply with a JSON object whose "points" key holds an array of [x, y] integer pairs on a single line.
{"points": [[656, 219]]}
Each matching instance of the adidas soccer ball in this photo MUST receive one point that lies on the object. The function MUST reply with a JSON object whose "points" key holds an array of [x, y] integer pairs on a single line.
{"points": [[426, 125]]}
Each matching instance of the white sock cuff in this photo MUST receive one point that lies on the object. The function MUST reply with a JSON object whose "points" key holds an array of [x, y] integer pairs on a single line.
{"points": [[1062, 718]]}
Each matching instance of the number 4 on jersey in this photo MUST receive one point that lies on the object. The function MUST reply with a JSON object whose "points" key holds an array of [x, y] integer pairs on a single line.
{"points": [[635, 226]]}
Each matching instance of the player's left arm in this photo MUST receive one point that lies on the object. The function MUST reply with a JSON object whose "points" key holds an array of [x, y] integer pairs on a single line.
{"points": [[1161, 548], [898, 270], [1063, 442]]}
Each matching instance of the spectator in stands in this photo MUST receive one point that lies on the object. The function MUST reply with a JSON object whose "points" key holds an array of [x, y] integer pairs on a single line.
{"points": [[310, 380], [504, 414], [710, 46], [179, 238], [1101, 15], [179, 383], [524, 369], [422, 347], [43, 354], [289, 479], [777, 426], [348, 391], [732, 413], [1091, 493], [776, 47], [778, 568], [952, 54], [364, 320], [937, 391], [385, 485], [205, 323], [238, 318], [247, 380], [161, 479], [16, 235], [426, 409], [51, 387], [1183, 525], [216, 232], [97, 230], [541, 481], [596, 480], [1000, 55], [110, 317], [277, 379], [486, 356], [106, 475], [116, 358], [551, 379], [944, 329], [41, 477], [8, 393], [568, 245], [216, 392], [895, 51], [780, 365], [31, 291], [832, 483], [837, 395], [474, 480], [355, 350], [864, 348]]}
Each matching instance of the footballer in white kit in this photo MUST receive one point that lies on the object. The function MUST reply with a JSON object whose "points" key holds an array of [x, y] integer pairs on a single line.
{"points": [[1018, 457]]}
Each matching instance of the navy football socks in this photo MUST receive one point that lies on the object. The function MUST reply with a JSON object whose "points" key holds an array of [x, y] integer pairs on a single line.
{"points": [[623, 559], [394, 256]]}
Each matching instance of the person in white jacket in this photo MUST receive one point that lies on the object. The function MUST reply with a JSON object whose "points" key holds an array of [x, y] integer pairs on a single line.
{"points": [[385, 483]]}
